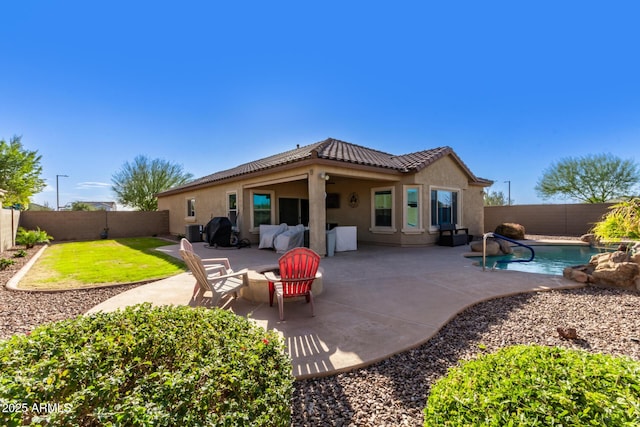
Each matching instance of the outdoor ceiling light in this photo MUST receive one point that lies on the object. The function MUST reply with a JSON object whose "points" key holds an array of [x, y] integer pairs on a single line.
{"points": [[324, 175]]}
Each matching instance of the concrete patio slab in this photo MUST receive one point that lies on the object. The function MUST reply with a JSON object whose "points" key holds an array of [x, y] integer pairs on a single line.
{"points": [[377, 301]]}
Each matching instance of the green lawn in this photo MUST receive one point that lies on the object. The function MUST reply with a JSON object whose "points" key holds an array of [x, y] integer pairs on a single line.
{"points": [[101, 262]]}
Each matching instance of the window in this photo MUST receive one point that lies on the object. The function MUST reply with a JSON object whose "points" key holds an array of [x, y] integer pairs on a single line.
{"points": [[232, 208], [191, 207], [261, 208], [412, 212], [382, 214], [444, 207]]}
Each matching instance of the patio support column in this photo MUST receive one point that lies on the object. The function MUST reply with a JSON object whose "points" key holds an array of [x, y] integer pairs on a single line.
{"points": [[317, 213]]}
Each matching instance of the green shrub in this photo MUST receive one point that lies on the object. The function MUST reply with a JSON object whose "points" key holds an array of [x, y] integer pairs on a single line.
{"points": [[622, 221], [144, 366], [538, 386], [5, 262], [20, 254], [30, 238]]}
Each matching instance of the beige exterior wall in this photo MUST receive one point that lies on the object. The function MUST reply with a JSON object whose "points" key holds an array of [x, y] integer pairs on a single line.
{"points": [[209, 202], [445, 174], [305, 183]]}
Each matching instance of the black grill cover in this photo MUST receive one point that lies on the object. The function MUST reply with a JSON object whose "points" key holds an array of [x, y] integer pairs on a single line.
{"points": [[218, 232]]}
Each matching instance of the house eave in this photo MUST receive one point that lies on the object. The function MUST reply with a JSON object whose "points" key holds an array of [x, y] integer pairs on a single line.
{"points": [[309, 162]]}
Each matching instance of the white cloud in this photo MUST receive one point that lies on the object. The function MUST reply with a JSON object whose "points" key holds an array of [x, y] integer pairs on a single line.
{"points": [[49, 189], [89, 185]]}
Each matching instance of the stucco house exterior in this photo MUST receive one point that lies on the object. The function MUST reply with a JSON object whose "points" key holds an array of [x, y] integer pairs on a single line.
{"points": [[397, 200]]}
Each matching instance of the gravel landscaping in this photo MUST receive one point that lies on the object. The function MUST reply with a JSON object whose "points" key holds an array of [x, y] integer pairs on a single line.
{"points": [[394, 391], [21, 311]]}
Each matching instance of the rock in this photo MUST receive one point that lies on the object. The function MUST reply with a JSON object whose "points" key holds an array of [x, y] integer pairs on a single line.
{"points": [[619, 256], [623, 274], [510, 230], [579, 273], [493, 248], [609, 257], [568, 333], [579, 276], [476, 246], [589, 238], [505, 247], [595, 259], [610, 268], [635, 258]]}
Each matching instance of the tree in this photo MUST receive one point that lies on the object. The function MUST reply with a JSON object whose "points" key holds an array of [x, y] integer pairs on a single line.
{"points": [[591, 179], [137, 183], [496, 198], [81, 206], [20, 172]]}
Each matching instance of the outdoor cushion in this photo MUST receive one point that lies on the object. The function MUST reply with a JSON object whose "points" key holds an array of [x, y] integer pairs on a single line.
{"points": [[268, 233], [292, 238], [346, 238]]}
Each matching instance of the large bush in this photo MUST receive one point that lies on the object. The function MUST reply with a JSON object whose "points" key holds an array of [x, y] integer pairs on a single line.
{"points": [[538, 386], [170, 366], [30, 238], [622, 221]]}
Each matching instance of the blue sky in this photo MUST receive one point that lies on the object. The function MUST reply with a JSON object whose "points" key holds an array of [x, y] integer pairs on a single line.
{"points": [[512, 87]]}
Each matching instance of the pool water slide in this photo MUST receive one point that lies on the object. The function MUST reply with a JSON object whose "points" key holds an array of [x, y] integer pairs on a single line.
{"points": [[504, 261]]}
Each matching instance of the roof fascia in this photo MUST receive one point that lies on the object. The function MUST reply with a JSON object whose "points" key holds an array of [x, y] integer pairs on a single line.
{"points": [[472, 178]]}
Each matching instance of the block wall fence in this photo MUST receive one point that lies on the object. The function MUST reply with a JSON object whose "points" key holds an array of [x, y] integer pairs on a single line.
{"points": [[9, 219], [80, 225], [551, 220]]}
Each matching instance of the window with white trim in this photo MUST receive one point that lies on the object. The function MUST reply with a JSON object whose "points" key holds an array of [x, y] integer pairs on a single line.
{"points": [[232, 207], [262, 208], [382, 212], [445, 206], [191, 207], [412, 209]]}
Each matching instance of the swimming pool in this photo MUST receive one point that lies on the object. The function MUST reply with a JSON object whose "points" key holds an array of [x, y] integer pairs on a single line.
{"points": [[549, 259]]}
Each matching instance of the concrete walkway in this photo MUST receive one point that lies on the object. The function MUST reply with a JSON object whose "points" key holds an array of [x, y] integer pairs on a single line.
{"points": [[377, 301]]}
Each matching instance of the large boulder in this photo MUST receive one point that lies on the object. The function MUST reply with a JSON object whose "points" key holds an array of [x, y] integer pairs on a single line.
{"points": [[635, 253], [609, 257], [493, 247], [505, 247], [621, 274], [620, 269], [510, 230], [576, 273]]}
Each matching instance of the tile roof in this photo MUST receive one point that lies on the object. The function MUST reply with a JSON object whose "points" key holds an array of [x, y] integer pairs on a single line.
{"points": [[334, 149]]}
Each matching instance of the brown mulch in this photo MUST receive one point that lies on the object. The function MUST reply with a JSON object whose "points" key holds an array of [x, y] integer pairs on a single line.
{"points": [[10, 271]]}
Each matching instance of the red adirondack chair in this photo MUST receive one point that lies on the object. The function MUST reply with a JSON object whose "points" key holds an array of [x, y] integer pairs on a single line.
{"points": [[298, 268]]}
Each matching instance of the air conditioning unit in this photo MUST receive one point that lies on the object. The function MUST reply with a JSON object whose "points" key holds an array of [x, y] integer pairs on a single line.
{"points": [[193, 233]]}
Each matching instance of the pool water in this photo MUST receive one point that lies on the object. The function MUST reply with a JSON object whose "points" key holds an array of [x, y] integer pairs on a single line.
{"points": [[551, 259]]}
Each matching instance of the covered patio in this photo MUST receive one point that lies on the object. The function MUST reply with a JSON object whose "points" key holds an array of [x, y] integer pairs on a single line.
{"points": [[387, 199], [376, 302]]}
